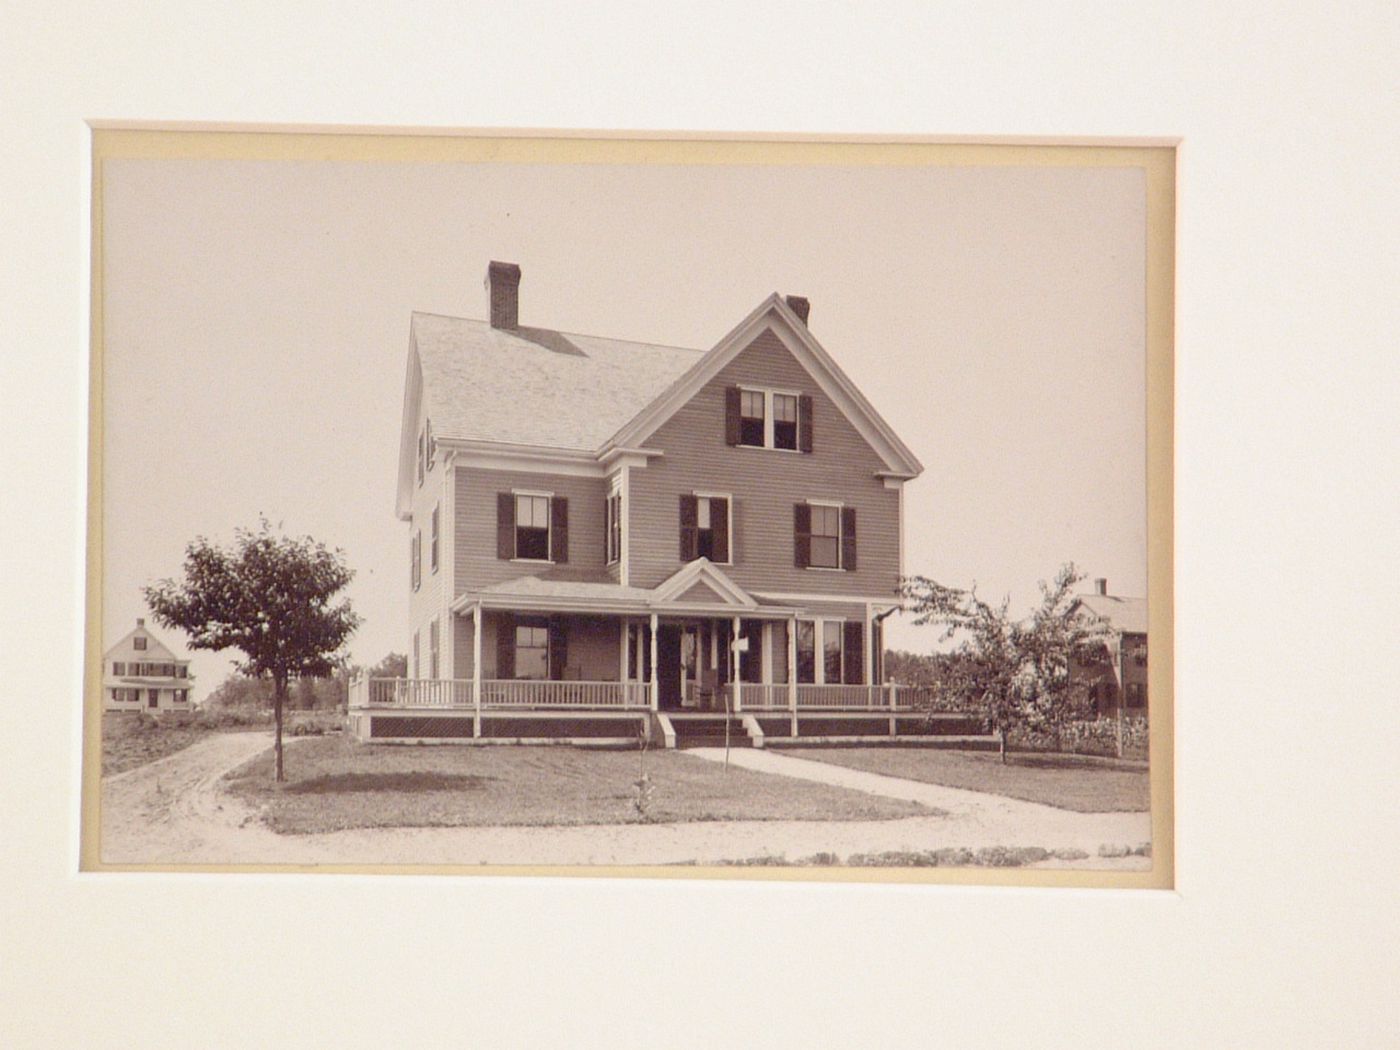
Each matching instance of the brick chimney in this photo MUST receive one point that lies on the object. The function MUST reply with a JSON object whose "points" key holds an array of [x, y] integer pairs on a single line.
{"points": [[140, 621], [1101, 586], [800, 306], [503, 293]]}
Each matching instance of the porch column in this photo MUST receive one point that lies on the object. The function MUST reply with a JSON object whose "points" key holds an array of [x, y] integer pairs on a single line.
{"points": [[655, 681], [476, 670], [734, 662], [792, 671], [765, 671], [622, 628]]}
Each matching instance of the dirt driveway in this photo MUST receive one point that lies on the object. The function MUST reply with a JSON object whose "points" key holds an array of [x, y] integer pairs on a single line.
{"points": [[174, 811]]}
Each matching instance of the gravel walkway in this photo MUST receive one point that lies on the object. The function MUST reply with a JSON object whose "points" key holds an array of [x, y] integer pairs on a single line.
{"points": [[175, 811]]}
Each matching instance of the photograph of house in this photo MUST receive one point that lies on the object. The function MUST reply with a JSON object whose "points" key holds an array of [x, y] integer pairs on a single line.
{"points": [[140, 673], [635, 481], [594, 524], [1120, 682]]}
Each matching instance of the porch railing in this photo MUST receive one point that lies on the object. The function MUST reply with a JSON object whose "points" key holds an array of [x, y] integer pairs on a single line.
{"points": [[826, 697], [525, 693], [774, 697], [495, 693]]}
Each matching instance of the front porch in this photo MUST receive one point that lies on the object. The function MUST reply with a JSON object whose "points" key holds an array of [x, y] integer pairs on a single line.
{"points": [[590, 660]]}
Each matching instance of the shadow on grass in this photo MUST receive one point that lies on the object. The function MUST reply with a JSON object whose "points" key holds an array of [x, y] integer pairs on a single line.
{"points": [[1039, 760], [346, 783]]}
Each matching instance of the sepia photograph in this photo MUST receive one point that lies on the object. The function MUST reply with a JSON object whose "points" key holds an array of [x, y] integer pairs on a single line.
{"points": [[530, 503]]}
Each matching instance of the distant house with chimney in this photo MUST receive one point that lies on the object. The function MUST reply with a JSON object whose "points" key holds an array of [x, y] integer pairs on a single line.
{"points": [[140, 673], [609, 537], [1120, 681]]}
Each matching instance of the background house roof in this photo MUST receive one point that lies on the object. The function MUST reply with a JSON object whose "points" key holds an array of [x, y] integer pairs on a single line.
{"points": [[535, 386], [1124, 614]]}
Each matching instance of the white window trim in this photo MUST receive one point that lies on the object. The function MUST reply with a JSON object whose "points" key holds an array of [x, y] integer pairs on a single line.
{"points": [[728, 498], [549, 525], [768, 420], [840, 535], [819, 647]]}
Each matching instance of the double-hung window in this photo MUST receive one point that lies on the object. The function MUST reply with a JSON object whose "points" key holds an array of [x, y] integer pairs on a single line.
{"points": [[531, 651], [785, 421], [433, 543], [757, 418], [532, 527], [705, 528], [826, 536], [752, 417], [613, 526]]}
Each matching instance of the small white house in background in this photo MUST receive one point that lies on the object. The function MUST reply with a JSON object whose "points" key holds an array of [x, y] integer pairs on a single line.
{"points": [[140, 673]]}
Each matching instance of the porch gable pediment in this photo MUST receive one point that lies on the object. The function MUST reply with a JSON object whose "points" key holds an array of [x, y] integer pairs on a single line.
{"points": [[702, 582]]}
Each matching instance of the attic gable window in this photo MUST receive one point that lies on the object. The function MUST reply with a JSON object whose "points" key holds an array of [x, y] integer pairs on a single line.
{"points": [[532, 526], [138, 642], [752, 415], [779, 419]]}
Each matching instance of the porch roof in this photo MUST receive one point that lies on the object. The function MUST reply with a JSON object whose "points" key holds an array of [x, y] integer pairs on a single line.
{"points": [[574, 591]]}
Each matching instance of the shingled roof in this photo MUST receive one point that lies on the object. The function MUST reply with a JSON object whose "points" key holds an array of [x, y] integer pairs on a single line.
{"points": [[535, 386], [1128, 615]]}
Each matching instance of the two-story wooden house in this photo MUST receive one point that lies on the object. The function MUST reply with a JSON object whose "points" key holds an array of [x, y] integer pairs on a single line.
{"points": [[609, 537], [140, 673]]}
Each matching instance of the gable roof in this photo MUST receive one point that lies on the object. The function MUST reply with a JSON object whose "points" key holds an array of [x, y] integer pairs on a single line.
{"points": [[775, 314], [535, 386], [155, 650], [1128, 615], [536, 390]]}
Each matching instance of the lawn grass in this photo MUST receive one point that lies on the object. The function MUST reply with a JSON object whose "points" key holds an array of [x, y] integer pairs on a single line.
{"points": [[129, 741], [1064, 781], [335, 783]]}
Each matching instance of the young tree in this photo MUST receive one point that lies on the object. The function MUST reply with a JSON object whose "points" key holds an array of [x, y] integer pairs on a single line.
{"points": [[1016, 671], [268, 596]]}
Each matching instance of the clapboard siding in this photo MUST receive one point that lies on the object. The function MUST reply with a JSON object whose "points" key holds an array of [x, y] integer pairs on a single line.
{"points": [[764, 483], [474, 549]]}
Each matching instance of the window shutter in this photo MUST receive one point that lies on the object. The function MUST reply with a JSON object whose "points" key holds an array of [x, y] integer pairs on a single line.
{"points": [[558, 648], [690, 534], [848, 539], [505, 525], [505, 646], [804, 422], [607, 530], [559, 529], [731, 415], [854, 646], [719, 524], [801, 535]]}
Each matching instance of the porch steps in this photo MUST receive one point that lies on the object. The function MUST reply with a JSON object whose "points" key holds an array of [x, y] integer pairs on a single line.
{"points": [[709, 731]]}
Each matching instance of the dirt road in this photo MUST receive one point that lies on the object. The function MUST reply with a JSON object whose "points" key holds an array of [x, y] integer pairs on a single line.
{"points": [[175, 811]]}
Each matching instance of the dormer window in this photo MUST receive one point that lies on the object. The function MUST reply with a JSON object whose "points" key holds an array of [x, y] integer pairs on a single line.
{"points": [[757, 418]]}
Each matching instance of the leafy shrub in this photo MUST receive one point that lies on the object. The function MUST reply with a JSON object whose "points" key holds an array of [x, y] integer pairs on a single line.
{"points": [[1097, 736]]}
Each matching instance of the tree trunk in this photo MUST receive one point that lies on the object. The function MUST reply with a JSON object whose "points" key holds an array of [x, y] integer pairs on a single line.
{"points": [[1003, 745], [279, 692]]}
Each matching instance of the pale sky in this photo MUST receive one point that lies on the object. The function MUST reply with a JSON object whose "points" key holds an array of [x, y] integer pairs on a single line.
{"points": [[257, 313]]}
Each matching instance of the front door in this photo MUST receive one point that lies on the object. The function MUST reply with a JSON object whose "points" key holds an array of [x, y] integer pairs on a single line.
{"points": [[152, 697], [668, 666]]}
